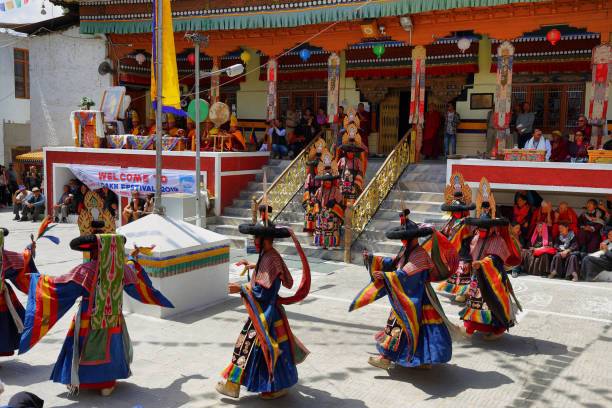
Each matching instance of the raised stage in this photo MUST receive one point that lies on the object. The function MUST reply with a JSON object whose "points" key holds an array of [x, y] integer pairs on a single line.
{"points": [[225, 174]]}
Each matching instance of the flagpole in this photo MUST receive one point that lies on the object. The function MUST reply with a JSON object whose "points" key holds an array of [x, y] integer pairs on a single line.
{"points": [[158, 209]]}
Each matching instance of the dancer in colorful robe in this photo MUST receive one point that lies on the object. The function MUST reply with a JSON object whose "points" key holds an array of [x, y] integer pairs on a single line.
{"points": [[15, 268], [417, 334], [458, 200], [328, 205], [311, 185], [266, 352], [491, 304], [102, 352], [350, 167]]}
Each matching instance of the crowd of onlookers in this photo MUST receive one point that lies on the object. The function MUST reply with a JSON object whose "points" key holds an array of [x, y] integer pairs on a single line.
{"points": [[571, 145], [558, 242]]}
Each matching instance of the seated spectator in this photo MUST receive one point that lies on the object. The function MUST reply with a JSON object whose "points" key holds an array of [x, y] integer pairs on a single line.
{"points": [[521, 214], [279, 141], [149, 204], [534, 199], [191, 131], [590, 224], [236, 140], [566, 262], [79, 198], [607, 210], [598, 261], [296, 142], [63, 205], [543, 214], [537, 259], [559, 146], [19, 198], [578, 149], [110, 200], [34, 204], [565, 214], [134, 209], [516, 230], [538, 142]]}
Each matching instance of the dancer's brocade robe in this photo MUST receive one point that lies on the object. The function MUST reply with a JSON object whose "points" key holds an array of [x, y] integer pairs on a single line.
{"points": [[330, 216], [103, 352], [460, 235], [491, 305], [15, 268], [351, 178], [308, 202], [266, 352], [417, 330]]}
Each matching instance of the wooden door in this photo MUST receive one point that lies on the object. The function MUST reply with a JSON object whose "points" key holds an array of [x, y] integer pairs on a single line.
{"points": [[389, 122]]}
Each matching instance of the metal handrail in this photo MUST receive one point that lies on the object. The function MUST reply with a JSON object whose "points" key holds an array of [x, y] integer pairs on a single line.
{"points": [[359, 214], [289, 182]]}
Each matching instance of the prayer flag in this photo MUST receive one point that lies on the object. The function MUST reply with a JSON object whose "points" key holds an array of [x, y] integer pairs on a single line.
{"points": [[9, 5], [2, 7], [171, 96], [18, 3]]}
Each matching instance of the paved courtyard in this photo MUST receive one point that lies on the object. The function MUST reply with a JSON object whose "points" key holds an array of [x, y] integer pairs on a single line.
{"points": [[557, 356]]}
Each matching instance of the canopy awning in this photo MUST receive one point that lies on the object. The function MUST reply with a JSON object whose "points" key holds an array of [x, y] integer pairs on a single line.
{"points": [[35, 158]]}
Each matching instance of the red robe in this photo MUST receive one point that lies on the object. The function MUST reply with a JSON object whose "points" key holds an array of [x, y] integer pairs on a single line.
{"points": [[431, 145]]}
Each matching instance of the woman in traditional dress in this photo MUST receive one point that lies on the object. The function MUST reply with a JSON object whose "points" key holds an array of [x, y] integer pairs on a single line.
{"points": [[489, 306], [266, 352], [101, 353], [350, 166], [15, 268], [458, 200], [328, 205], [566, 261], [536, 261], [417, 332]]}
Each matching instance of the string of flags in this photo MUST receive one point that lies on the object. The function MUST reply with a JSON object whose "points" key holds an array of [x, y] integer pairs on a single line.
{"points": [[7, 5]]}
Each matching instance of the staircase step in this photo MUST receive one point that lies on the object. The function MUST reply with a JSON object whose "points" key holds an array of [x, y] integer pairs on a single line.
{"points": [[424, 186], [412, 195]]}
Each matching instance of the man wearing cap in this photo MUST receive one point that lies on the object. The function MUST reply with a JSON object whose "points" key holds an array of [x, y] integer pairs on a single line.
{"points": [[102, 352], [266, 352], [34, 204], [16, 268], [63, 205], [417, 331], [19, 198], [491, 305]]}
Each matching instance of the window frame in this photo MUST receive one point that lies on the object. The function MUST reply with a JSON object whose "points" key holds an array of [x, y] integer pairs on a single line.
{"points": [[26, 72], [529, 89]]}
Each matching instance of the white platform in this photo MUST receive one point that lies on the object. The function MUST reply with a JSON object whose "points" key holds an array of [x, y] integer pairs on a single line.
{"points": [[191, 290]]}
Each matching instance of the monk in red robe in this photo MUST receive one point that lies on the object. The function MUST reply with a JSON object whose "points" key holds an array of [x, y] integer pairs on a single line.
{"points": [[431, 144], [565, 214]]}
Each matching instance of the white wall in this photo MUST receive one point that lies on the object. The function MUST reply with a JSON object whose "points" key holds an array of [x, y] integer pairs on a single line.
{"points": [[11, 109], [63, 69]]}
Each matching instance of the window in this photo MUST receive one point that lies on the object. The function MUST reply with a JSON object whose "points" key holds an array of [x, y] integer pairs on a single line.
{"points": [[556, 106], [22, 80], [302, 100]]}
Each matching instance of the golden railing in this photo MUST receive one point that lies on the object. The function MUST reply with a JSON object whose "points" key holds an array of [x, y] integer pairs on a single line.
{"points": [[363, 209], [289, 182]]}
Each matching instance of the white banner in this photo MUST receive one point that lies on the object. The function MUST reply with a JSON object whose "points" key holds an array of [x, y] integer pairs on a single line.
{"points": [[124, 181]]}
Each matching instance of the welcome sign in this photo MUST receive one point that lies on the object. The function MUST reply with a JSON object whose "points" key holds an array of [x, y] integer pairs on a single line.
{"points": [[124, 181]]}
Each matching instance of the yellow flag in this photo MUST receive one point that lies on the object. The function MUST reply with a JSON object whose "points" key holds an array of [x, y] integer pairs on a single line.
{"points": [[171, 95]]}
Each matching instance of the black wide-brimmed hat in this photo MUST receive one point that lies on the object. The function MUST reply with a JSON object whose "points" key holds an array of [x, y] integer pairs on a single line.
{"points": [[408, 231], [404, 213], [458, 206], [261, 230], [313, 163], [485, 222], [5, 231], [85, 243], [328, 176]]}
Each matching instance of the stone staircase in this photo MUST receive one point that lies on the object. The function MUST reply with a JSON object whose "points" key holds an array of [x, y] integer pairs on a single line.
{"points": [[422, 188]]}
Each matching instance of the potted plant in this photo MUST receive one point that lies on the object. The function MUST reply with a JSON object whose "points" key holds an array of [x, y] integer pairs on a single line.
{"points": [[86, 103]]}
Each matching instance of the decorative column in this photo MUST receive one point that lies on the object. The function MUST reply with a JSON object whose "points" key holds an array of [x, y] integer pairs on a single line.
{"points": [[215, 81], [272, 75], [598, 105], [333, 91], [417, 99], [503, 93]]}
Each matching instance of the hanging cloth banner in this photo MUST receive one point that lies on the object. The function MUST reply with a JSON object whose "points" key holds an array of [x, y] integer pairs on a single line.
{"points": [[417, 94], [215, 82], [601, 76], [503, 93], [333, 86], [272, 75], [124, 181], [171, 95]]}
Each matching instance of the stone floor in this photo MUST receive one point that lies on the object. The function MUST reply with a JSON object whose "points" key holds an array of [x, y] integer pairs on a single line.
{"points": [[557, 356]]}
